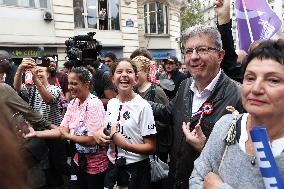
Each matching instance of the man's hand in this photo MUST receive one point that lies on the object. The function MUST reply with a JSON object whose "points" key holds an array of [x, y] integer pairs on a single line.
{"points": [[222, 9], [101, 138], [31, 134], [212, 181], [196, 138]]}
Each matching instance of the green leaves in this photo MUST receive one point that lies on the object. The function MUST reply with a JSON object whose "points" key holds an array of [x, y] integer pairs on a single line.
{"points": [[191, 14]]}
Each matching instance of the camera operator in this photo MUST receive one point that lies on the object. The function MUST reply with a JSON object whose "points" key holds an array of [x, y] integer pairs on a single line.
{"points": [[83, 50], [8, 68], [67, 66]]}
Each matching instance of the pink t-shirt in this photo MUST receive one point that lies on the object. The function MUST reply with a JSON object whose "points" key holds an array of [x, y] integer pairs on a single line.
{"points": [[89, 116]]}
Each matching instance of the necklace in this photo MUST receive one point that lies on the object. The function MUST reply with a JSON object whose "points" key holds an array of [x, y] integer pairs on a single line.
{"points": [[249, 145]]}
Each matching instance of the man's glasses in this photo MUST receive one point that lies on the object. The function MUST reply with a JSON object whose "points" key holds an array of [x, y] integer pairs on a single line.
{"points": [[201, 50]]}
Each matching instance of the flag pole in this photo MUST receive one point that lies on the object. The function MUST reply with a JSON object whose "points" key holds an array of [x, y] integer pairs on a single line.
{"points": [[247, 19]]}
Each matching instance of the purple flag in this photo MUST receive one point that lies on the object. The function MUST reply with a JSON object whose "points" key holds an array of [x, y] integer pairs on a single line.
{"points": [[255, 21]]}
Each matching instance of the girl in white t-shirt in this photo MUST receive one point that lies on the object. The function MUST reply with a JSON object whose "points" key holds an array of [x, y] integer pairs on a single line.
{"points": [[132, 130]]}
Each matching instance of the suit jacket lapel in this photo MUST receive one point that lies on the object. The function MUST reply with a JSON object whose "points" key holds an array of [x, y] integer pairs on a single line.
{"points": [[188, 96]]}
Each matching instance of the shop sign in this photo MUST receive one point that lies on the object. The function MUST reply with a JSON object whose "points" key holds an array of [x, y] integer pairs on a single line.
{"points": [[162, 54], [26, 53]]}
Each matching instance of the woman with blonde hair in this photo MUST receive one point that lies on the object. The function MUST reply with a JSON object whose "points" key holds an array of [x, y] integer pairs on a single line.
{"points": [[147, 87]]}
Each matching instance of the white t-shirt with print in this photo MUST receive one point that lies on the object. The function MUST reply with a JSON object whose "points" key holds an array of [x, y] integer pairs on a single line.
{"points": [[136, 121]]}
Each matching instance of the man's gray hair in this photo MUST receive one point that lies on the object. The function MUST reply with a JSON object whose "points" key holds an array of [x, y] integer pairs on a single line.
{"points": [[197, 30]]}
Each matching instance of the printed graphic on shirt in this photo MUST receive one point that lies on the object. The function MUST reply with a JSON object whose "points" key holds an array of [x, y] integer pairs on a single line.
{"points": [[84, 119], [135, 120], [82, 131]]}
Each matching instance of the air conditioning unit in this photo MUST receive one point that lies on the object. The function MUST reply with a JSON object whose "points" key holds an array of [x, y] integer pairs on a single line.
{"points": [[47, 16]]}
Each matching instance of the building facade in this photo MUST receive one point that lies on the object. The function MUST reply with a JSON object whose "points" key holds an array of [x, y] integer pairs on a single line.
{"points": [[34, 28], [159, 27], [209, 15]]}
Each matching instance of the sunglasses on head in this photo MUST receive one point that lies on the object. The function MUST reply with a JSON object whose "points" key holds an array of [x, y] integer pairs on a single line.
{"points": [[6, 59]]}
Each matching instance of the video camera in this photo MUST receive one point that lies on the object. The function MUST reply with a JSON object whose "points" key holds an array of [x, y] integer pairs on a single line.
{"points": [[82, 49]]}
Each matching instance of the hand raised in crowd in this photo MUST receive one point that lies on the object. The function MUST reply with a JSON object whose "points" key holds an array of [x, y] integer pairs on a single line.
{"points": [[212, 181], [222, 9], [35, 71], [27, 63], [101, 138], [196, 138]]}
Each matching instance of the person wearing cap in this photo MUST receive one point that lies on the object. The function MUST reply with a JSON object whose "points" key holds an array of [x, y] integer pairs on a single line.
{"points": [[173, 73], [200, 101], [7, 69], [5, 64]]}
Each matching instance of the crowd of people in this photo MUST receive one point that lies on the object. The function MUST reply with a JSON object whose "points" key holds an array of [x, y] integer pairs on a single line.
{"points": [[113, 119]]}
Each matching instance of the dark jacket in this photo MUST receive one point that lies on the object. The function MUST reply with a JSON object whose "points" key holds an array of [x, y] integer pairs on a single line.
{"points": [[182, 155], [229, 63]]}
